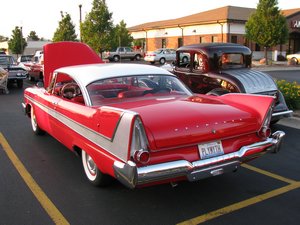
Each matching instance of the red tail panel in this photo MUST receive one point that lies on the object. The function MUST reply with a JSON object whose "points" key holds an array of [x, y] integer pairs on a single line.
{"points": [[61, 54]]}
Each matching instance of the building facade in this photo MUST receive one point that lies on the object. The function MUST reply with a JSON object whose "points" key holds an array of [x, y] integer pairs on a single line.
{"points": [[225, 24]]}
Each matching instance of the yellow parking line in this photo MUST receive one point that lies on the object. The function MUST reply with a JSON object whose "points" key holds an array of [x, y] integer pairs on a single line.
{"points": [[46, 203], [269, 174], [240, 205]]}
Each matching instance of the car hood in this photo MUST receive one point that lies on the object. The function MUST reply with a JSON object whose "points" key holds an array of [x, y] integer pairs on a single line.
{"points": [[176, 122]]}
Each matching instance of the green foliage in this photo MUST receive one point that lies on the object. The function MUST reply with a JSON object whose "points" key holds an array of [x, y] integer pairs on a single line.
{"points": [[291, 93], [65, 30], [120, 36], [97, 28], [33, 36], [17, 43], [267, 26]]}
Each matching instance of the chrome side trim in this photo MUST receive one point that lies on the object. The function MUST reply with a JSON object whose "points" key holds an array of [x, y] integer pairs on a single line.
{"points": [[117, 146], [131, 175], [282, 113]]}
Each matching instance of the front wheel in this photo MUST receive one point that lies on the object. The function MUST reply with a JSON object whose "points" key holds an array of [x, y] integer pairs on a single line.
{"points": [[35, 127], [20, 83], [94, 175], [294, 61]]}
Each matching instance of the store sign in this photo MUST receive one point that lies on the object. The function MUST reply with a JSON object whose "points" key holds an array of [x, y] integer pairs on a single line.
{"points": [[295, 23]]}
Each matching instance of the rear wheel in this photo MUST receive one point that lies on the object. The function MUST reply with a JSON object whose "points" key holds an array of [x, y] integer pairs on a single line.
{"points": [[94, 175], [162, 61], [138, 57], [116, 58], [35, 127]]}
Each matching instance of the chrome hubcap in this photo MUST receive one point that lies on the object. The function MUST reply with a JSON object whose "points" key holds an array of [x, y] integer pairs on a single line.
{"points": [[91, 165]]}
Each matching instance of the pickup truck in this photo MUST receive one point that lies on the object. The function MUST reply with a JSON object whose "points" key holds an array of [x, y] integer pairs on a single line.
{"points": [[122, 53]]}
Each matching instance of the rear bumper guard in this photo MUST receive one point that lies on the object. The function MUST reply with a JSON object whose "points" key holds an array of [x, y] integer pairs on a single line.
{"points": [[131, 175]]}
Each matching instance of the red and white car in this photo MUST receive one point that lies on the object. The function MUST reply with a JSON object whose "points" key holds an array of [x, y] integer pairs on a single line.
{"points": [[140, 124]]}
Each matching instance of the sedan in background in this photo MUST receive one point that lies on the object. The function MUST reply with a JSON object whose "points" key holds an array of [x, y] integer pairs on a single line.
{"points": [[140, 124], [161, 55]]}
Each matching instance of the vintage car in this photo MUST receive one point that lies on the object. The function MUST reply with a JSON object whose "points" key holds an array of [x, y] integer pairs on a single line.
{"points": [[220, 68], [294, 58], [140, 124], [16, 74]]}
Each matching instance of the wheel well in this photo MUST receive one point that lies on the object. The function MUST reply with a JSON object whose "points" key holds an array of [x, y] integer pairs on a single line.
{"points": [[27, 110], [77, 150]]}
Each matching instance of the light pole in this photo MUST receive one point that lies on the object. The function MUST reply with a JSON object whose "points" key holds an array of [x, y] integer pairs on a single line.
{"points": [[21, 40], [80, 20]]}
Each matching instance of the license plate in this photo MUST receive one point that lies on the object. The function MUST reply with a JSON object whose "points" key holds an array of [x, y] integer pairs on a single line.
{"points": [[211, 149]]}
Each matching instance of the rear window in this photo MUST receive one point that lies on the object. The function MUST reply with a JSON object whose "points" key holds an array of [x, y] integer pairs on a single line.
{"points": [[232, 60]]}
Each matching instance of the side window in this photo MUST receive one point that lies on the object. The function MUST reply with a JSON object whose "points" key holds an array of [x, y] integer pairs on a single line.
{"points": [[121, 49], [65, 87], [184, 60], [200, 63]]}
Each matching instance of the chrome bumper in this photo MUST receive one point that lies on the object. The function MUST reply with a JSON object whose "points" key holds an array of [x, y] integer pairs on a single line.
{"points": [[131, 175]]}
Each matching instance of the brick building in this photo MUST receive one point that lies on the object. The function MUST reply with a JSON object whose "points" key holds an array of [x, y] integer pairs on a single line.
{"points": [[225, 24]]}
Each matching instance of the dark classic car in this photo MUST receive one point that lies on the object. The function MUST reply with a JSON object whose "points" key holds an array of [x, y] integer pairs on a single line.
{"points": [[140, 124], [16, 74], [221, 68]]}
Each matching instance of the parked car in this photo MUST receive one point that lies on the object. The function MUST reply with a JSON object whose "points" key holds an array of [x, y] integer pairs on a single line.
{"points": [[140, 124], [123, 53], [36, 67], [221, 68], [161, 55], [16, 74], [294, 58], [25, 61]]}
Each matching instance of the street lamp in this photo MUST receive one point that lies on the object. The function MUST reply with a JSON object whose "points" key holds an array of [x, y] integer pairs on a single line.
{"points": [[21, 40], [80, 20]]}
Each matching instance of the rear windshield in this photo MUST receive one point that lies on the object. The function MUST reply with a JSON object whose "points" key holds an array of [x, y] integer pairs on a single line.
{"points": [[232, 60]]}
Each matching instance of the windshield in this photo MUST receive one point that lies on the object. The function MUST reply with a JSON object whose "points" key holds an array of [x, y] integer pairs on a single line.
{"points": [[6, 60], [130, 88]]}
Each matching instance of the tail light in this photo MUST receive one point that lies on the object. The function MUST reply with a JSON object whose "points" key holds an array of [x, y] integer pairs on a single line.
{"points": [[139, 144], [265, 130]]}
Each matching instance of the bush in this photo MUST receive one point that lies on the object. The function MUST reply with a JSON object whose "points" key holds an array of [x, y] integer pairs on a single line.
{"points": [[291, 93]]}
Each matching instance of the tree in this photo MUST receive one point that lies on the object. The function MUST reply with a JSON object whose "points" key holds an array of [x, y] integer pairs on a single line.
{"points": [[33, 36], [97, 28], [65, 30], [267, 26], [17, 43], [121, 36]]}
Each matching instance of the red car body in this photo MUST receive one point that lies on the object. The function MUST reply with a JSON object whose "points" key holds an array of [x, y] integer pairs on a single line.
{"points": [[126, 124]]}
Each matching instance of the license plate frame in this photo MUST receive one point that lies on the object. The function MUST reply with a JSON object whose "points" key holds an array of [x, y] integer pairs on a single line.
{"points": [[210, 149]]}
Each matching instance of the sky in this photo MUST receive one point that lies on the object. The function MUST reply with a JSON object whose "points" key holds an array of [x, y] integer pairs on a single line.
{"points": [[42, 16]]}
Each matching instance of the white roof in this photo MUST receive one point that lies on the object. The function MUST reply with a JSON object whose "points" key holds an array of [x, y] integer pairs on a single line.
{"points": [[86, 74]]}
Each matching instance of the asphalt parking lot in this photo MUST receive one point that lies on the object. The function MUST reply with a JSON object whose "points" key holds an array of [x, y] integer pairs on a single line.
{"points": [[43, 183]]}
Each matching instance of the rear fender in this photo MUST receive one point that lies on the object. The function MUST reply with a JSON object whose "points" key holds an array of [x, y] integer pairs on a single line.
{"points": [[259, 104]]}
